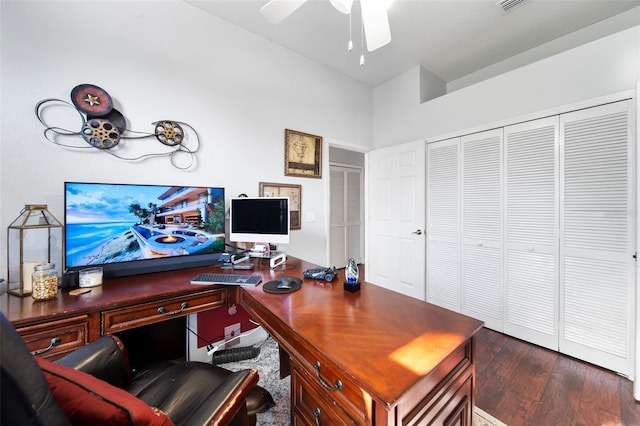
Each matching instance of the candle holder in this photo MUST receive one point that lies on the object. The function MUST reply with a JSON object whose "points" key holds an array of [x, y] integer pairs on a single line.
{"points": [[33, 238], [90, 277], [351, 275]]}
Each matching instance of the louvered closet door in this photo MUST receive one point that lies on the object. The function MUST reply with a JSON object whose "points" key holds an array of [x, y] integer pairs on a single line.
{"points": [[337, 220], [443, 224], [597, 220], [482, 239], [345, 232], [354, 214], [531, 231]]}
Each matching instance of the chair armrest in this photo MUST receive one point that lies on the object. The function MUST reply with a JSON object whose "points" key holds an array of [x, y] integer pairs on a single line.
{"points": [[105, 359], [228, 401], [196, 393]]}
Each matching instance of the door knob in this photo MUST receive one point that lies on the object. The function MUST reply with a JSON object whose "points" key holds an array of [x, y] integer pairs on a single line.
{"points": [[419, 232]]}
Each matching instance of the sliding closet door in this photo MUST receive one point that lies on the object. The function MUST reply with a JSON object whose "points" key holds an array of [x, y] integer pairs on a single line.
{"points": [[482, 227], [531, 231], [597, 246], [443, 224]]}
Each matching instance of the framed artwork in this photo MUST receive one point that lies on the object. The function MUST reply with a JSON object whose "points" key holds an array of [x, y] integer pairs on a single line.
{"points": [[302, 154], [294, 192]]}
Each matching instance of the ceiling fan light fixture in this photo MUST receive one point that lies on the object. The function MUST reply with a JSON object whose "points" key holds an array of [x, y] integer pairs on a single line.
{"points": [[376, 24], [343, 6]]}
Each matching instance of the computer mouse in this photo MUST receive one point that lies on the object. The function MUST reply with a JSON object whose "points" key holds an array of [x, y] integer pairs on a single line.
{"points": [[286, 283]]}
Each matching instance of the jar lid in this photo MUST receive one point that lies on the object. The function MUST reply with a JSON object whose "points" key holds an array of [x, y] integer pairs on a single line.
{"points": [[44, 267]]}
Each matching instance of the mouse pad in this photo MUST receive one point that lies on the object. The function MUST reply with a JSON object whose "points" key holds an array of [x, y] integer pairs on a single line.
{"points": [[272, 286]]}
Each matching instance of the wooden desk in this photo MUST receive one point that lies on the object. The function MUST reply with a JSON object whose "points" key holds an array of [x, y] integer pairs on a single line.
{"points": [[391, 359], [371, 357], [120, 304]]}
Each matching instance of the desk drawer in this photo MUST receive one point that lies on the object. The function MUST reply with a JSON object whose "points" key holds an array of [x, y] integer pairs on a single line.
{"points": [[324, 375], [313, 405], [446, 393], [56, 338], [148, 313]]}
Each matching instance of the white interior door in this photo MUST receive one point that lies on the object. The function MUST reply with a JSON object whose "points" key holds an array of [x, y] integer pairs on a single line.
{"points": [[396, 218]]}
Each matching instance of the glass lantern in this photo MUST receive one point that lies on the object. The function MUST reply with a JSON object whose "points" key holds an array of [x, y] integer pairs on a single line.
{"points": [[34, 238]]}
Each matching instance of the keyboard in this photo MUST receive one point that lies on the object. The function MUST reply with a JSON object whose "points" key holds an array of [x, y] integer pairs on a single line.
{"points": [[227, 279]]}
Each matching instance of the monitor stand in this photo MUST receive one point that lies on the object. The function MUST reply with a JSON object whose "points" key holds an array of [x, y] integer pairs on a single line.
{"points": [[263, 251], [277, 259], [238, 261]]}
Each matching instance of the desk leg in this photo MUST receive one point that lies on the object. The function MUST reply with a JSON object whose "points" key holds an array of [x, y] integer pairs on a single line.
{"points": [[285, 365]]}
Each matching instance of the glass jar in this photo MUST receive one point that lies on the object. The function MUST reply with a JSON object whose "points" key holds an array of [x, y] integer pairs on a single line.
{"points": [[44, 282]]}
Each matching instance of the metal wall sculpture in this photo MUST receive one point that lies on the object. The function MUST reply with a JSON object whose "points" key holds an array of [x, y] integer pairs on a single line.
{"points": [[103, 127]]}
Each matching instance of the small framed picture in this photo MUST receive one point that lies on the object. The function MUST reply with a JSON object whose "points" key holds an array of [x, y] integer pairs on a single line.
{"points": [[302, 154], [294, 192]]}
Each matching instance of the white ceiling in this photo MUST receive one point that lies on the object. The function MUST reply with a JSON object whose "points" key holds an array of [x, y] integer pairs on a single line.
{"points": [[460, 41]]}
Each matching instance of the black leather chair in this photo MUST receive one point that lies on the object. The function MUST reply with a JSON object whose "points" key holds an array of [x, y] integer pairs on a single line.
{"points": [[189, 393]]}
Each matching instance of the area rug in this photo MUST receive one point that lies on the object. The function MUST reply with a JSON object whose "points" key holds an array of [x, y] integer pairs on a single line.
{"points": [[267, 364], [481, 418]]}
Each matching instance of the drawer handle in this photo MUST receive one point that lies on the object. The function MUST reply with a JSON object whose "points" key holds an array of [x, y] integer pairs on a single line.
{"points": [[317, 415], [324, 383], [183, 306], [54, 342]]}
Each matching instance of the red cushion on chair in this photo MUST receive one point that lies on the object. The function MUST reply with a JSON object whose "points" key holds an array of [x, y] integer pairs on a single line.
{"points": [[87, 400]]}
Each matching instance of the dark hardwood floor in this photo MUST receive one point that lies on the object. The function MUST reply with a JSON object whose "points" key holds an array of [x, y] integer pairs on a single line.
{"points": [[523, 384]]}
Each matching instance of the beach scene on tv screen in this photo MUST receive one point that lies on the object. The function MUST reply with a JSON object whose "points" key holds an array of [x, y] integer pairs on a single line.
{"points": [[109, 223]]}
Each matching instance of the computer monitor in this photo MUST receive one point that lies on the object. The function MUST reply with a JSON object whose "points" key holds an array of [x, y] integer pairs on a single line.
{"points": [[259, 220]]}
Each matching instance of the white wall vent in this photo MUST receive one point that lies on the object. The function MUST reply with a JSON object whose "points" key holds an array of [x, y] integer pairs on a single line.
{"points": [[509, 5]]}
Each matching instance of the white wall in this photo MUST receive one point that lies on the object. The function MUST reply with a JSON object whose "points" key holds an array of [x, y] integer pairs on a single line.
{"points": [[605, 66], [166, 60], [170, 60]]}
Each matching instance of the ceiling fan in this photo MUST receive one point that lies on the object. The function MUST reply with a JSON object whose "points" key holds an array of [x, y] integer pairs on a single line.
{"points": [[374, 17]]}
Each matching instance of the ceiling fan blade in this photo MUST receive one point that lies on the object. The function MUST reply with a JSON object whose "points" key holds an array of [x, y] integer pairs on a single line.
{"points": [[277, 10], [376, 24], [343, 6]]}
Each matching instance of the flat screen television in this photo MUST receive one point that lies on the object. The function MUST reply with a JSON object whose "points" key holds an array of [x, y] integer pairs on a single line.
{"points": [[259, 220], [131, 229]]}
